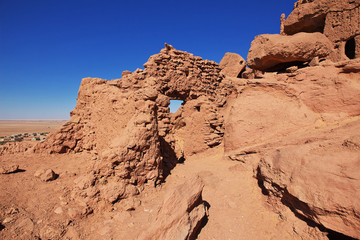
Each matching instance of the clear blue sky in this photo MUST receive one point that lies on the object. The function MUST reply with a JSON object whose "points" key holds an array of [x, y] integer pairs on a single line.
{"points": [[48, 46]]}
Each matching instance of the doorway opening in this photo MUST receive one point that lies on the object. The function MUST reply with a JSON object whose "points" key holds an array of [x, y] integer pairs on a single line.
{"points": [[350, 48]]}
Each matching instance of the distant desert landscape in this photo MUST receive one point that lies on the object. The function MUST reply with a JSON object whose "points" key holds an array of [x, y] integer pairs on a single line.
{"points": [[10, 127]]}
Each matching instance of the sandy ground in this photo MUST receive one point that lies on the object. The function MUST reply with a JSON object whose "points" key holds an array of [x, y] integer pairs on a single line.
{"points": [[238, 210], [9, 127]]}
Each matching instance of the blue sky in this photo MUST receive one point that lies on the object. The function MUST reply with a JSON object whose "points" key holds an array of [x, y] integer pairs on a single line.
{"points": [[48, 46]]}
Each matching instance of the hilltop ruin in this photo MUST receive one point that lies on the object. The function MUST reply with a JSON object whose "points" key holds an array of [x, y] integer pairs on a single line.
{"points": [[289, 124]]}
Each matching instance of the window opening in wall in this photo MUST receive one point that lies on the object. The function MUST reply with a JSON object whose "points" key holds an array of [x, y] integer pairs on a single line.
{"points": [[174, 105], [350, 48]]}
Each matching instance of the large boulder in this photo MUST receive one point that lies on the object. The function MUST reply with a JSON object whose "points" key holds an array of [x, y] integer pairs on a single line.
{"points": [[232, 64], [45, 175], [181, 215], [271, 52]]}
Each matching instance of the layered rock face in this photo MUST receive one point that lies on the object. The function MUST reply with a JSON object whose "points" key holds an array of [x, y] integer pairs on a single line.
{"points": [[318, 180], [300, 133]]}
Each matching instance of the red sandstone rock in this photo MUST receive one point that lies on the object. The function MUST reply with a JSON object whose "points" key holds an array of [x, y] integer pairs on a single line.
{"points": [[45, 175], [181, 214], [125, 73], [309, 16], [351, 67], [232, 64], [275, 120], [290, 101], [270, 52], [319, 179], [113, 191], [260, 114], [9, 169], [336, 19]]}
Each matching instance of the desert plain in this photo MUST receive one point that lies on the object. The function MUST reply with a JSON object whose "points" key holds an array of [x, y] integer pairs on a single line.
{"points": [[10, 127]]}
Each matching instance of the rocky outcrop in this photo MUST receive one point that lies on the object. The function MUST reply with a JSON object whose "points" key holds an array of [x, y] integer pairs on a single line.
{"points": [[300, 132], [271, 107], [272, 52], [299, 128], [350, 67], [318, 179], [319, 28], [181, 215], [232, 65], [310, 16], [337, 20], [261, 113]]}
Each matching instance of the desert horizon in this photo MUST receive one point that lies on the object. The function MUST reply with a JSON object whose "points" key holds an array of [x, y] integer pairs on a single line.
{"points": [[16, 126]]}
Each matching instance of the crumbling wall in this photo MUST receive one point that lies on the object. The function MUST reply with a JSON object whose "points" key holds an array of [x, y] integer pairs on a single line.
{"points": [[127, 126], [181, 75]]}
